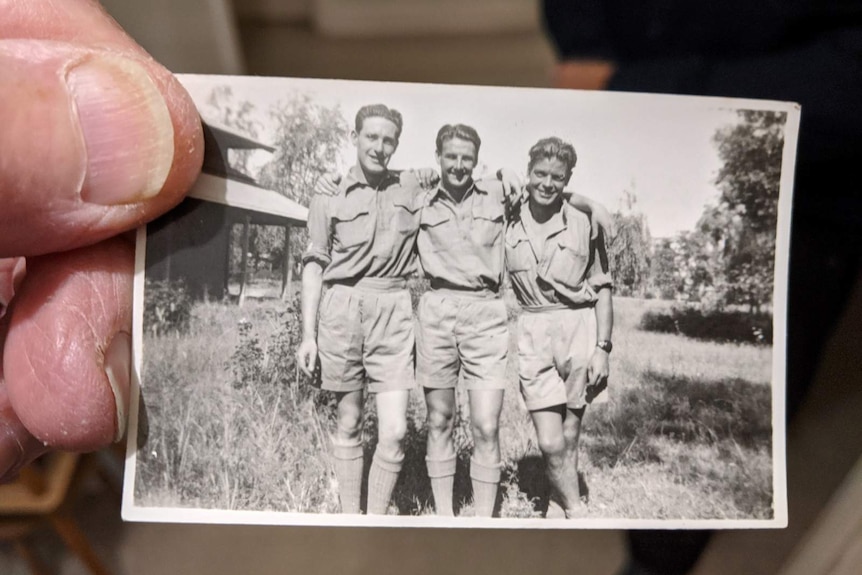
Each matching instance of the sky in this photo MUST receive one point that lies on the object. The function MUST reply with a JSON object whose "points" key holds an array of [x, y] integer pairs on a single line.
{"points": [[658, 147]]}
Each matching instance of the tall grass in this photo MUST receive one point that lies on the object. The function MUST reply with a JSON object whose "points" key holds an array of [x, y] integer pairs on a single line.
{"points": [[232, 425]]}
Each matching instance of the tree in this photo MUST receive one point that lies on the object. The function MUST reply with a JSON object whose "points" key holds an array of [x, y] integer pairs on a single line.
{"points": [[749, 181], [308, 139], [629, 250], [222, 108]]}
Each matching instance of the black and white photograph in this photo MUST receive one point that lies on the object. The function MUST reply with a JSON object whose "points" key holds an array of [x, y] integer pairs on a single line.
{"points": [[425, 305]]}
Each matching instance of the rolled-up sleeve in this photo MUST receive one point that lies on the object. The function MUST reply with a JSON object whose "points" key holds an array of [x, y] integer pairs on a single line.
{"points": [[319, 234], [599, 275]]}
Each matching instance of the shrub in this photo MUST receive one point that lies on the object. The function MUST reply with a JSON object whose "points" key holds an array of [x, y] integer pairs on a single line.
{"points": [[167, 307], [711, 325]]}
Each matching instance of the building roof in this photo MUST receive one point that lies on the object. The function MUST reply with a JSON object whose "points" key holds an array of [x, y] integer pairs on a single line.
{"points": [[249, 197], [233, 138]]}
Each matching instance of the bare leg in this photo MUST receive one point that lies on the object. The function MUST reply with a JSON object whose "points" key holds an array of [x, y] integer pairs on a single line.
{"points": [[552, 442], [440, 457], [485, 408], [572, 435], [389, 455], [347, 449]]}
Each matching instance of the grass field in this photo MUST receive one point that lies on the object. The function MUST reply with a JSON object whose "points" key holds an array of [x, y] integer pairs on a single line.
{"points": [[686, 435]]}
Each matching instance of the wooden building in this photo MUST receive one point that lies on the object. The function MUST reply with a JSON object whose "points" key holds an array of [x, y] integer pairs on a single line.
{"points": [[192, 242]]}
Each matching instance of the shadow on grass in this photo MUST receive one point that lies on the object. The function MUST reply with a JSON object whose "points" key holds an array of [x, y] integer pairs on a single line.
{"points": [[532, 479], [680, 408]]}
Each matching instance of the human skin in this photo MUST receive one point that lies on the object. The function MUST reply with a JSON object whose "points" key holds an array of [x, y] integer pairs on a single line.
{"points": [[457, 158], [97, 139], [558, 428], [375, 143]]}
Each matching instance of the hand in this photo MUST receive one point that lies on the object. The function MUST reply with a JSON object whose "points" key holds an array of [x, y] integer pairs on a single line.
{"points": [[427, 178], [583, 74], [97, 138], [600, 217], [598, 369], [513, 187], [327, 184], [306, 355]]}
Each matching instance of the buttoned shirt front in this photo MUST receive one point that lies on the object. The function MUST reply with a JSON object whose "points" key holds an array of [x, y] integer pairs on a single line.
{"points": [[558, 266], [460, 244], [365, 231]]}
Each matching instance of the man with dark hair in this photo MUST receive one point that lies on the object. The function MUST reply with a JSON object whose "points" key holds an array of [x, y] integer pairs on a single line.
{"points": [[362, 248], [463, 324], [560, 278]]}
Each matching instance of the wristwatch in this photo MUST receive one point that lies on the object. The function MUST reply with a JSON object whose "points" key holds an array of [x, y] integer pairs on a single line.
{"points": [[605, 345]]}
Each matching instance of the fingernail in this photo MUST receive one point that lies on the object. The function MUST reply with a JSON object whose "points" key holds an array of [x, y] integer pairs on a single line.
{"points": [[118, 368], [126, 127]]}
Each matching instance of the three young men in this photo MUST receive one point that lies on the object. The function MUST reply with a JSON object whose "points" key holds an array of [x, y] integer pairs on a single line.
{"points": [[458, 229]]}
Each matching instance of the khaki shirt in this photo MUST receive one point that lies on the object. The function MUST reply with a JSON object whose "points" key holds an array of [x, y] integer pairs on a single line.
{"points": [[364, 231], [460, 244], [564, 268]]}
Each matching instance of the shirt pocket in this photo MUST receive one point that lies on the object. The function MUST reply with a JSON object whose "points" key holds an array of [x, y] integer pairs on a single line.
{"points": [[568, 265], [352, 227], [436, 229], [405, 213], [488, 223], [518, 255]]}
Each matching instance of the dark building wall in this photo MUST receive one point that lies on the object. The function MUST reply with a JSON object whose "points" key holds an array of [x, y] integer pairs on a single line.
{"points": [[193, 248]]}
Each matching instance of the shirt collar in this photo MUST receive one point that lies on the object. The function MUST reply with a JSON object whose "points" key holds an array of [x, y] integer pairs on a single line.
{"points": [[441, 192], [556, 224], [356, 177]]}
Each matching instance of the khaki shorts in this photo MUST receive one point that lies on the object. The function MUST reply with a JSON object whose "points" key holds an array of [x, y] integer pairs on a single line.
{"points": [[554, 349], [365, 334], [461, 330]]}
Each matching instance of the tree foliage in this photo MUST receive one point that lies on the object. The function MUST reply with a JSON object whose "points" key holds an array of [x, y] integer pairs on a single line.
{"points": [[629, 250], [745, 218], [307, 138]]}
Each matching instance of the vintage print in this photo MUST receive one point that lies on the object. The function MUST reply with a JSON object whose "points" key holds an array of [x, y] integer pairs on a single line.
{"points": [[452, 306]]}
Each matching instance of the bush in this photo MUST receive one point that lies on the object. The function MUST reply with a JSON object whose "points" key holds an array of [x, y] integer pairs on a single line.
{"points": [[167, 307], [712, 325]]}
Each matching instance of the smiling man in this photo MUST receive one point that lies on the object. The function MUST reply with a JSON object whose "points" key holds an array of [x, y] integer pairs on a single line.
{"points": [[362, 247], [463, 325], [561, 281]]}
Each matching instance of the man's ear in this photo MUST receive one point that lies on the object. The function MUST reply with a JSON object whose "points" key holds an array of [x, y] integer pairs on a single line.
{"points": [[353, 137]]}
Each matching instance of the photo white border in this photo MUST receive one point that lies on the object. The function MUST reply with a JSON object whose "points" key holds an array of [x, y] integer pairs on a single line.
{"points": [[219, 194]]}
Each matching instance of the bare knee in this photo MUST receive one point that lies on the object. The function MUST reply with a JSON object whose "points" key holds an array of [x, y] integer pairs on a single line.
{"points": [[553, 445], [440, 421], [486, 431], [391, 434], [572, 429], [349, 425]]}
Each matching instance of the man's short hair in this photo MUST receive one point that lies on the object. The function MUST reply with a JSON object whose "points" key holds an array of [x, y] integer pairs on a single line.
{"points": [[461, 131], [379, 111], [550, 148]]}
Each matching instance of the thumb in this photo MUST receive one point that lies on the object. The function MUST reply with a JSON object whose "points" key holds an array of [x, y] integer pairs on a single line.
{"points": [[94, 142]]}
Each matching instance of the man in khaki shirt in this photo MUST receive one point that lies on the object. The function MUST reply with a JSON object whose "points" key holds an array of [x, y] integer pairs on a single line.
{"points": [[463, 323], [559, 274], [362, 248]]}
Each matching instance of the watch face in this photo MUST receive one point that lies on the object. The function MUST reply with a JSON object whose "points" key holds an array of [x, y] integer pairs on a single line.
{"points": [[605, 345]]}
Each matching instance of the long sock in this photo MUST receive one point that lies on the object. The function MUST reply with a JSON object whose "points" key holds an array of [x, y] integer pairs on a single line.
{"points": [[485, 479], [442, 475], [348, 463], [381, 482]]}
